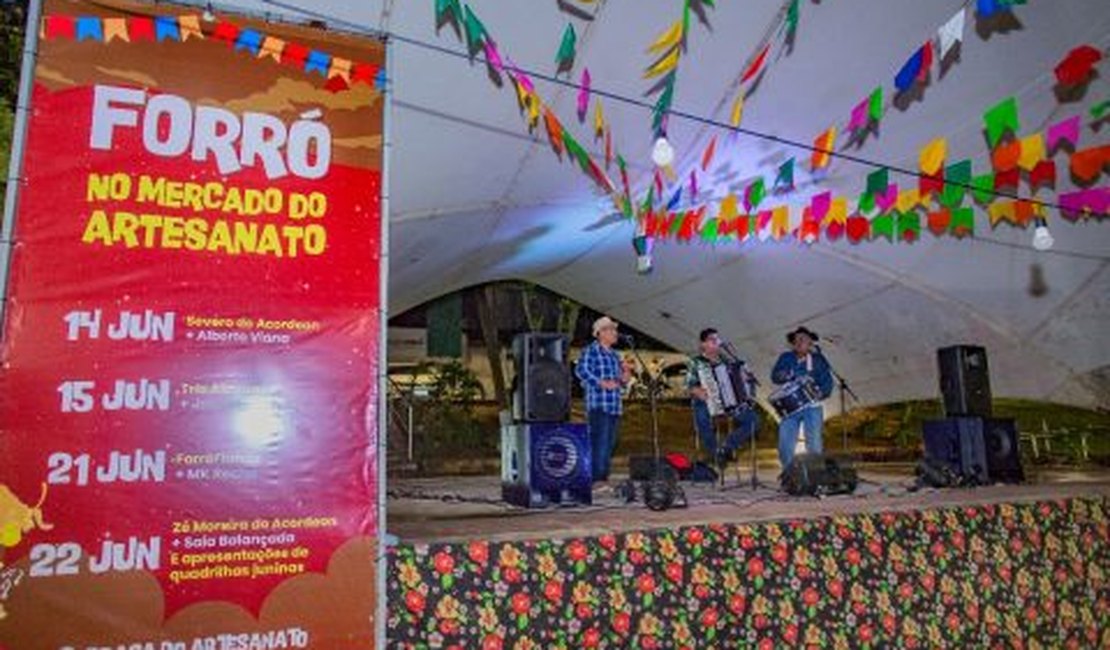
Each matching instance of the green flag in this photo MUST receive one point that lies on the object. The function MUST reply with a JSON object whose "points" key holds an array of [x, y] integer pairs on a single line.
{"points": [[1000, 118], [883, 225], [475, 30], [792, 17], [909, 226], [878, 181], [754, 195], [866, 202], [983, 188], [564, 58], [709, 231], [875, 104], [956, 177], [963, 222], [785, 179], [1100, 109]]}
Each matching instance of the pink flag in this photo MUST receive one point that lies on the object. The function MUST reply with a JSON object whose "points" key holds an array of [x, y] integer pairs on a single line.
{"points": [[493, 57], [1095, 200], [584, 94], [1067, 129], [693, 184], [820, 205], [886, 200], [860, 117]]}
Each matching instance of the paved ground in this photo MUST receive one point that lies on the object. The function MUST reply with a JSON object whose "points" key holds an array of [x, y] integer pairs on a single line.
{"points": [[462, 508]]}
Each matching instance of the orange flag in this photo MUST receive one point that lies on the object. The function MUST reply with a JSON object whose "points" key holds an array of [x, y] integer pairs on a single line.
{"points": [[823, 144]]}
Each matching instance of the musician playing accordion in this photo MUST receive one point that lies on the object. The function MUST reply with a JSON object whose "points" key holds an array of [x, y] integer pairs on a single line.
{"points": [[805, 366], [715, 394]]}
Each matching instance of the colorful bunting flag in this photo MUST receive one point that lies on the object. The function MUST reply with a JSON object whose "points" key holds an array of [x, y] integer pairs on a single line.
{"points": [[820, 204], [1032, 151], [141, 28], [915, 68], [294, 55], [318, 61], [838, 211], [983, 188], [886, 199], [1066, 130], [753, 196], [474, 30], [707, 155], [932, 156], [1044, 174], [1087, 164], [963, 222], [599, 120], [883, 226], [784, 179], [875, 104], [1006, 155], [939, 221], [564, 58], [251, 41], [909, 226], [823, 146], [877, 181], [792, 17], [669, 39], [554, 130], [583, 94], [951, 32], [1076, 67], [1084, 203], [737, 112], [756, 65], [493, 56], [1100, 109], [858, 229], [167, 28], [59, 27], [1009, 179], [116, 28], [272, 47], [956, 176], [1000, 118], [665, 64], [89, 28]]}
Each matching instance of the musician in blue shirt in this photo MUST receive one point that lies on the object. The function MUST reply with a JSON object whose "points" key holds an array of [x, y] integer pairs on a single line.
{"points": [[801, 362], [602, 375], [743, 419]]}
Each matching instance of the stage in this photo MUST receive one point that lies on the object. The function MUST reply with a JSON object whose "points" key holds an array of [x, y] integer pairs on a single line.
{"points": [[1004, 565]]}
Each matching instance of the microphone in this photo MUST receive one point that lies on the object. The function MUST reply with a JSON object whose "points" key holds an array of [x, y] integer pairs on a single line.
{"points": [[627, 339]]}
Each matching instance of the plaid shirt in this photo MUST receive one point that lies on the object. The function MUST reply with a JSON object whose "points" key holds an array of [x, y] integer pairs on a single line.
{"points": [[596, 364]]}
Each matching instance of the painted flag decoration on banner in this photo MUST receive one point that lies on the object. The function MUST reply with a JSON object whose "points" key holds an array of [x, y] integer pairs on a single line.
{"points": [[193, 336]]}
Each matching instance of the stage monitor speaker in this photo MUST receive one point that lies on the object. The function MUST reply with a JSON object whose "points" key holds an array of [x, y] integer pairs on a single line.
{"points": [[1000, 443], [545, 463], [541, 387], [965, 383], [818, 474], [957, 443]]}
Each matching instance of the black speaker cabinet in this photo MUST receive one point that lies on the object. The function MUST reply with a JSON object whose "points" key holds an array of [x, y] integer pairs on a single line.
{"points": [[543, 464], [1000, 443], [818, 474], [541, 387], [965, 383], [957, 443]]}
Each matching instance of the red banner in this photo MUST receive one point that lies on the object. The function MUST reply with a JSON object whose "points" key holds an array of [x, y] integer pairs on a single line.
{"points": [[188, 419]]}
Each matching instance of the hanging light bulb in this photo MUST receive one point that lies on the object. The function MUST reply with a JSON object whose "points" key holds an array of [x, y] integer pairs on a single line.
{"points": [[662, 154], [208, 16], [1042, 238]]}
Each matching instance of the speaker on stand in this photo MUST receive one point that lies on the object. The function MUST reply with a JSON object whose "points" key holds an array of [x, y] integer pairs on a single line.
{"points": [[541, 386], [965, 383]]}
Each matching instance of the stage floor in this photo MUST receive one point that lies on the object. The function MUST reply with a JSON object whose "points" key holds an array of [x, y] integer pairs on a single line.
{"points": [[450, 509]]}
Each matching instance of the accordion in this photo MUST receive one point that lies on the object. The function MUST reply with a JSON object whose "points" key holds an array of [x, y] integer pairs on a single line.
{"points": [[728, 386]]}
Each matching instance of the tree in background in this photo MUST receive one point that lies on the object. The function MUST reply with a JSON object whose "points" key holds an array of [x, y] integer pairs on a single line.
{"points": [[13, 16]]}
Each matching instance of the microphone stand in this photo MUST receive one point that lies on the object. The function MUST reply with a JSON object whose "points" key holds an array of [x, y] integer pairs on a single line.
{"points": [[653, 389], [727, 347], [844, 389]]}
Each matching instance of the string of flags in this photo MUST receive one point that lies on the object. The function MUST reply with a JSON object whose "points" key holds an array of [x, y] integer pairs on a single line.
{"points": [[339, 72], [886, 211], [667, 50], [536, 110]]}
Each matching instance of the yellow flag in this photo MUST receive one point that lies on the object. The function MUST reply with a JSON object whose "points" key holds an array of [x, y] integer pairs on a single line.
{"points": [[737, 109], [1001, 211], [117, 28], [599, 120], [190, 27], [729, 209], [271, 47], [667, 39], [533, 108], [668, 172], [780, 222], [1032, 151], [838, 211], [909, 199], [666, 64], [932, 156], [340, 68]]}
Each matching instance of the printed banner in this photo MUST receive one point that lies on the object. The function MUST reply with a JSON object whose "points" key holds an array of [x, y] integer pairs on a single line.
{"points": [[188, 400]]}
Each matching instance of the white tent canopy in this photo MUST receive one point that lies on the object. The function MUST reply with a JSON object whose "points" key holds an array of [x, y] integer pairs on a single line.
{"points": [[474, 197]]}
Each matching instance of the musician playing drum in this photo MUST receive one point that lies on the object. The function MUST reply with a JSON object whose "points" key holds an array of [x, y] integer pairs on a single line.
{"points": [[803, 363], [707, 403]]}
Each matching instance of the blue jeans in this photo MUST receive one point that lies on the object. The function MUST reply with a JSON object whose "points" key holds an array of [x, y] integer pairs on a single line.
{"points": [[744, 424], [812, 418], [603, 440]]}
